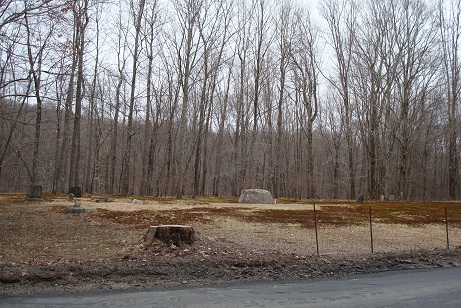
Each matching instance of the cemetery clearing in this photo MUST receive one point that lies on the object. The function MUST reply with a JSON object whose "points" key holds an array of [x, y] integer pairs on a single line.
{"points": [[44, 248]]}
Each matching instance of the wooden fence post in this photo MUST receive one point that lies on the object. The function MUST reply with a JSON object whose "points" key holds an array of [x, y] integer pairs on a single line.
{"points": [[446, 228], [371, 229], [316, 233]]}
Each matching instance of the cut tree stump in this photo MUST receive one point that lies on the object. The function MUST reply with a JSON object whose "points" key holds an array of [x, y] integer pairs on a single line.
{"points": [[170, 234]]}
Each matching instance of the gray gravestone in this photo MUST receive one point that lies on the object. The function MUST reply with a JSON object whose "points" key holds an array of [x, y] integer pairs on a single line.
{"points": [[34, 192], [76, 191]]}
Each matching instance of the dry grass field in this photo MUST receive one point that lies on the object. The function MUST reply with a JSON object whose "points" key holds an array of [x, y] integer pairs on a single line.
{"points": [[38, 235], [44, 231]]}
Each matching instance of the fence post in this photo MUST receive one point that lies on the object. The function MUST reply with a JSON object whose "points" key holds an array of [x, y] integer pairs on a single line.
{"points": [[371, 229], [446, 228], [316, 233]]}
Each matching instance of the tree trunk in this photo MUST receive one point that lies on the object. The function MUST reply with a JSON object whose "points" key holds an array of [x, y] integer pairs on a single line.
{"points": [[38, 115], [127, 163], [81, 24], [148, 146], [450, 30], [92, 136]]}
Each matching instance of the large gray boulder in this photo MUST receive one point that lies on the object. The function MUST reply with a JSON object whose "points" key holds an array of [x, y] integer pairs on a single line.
{"points": [[256, 196]]}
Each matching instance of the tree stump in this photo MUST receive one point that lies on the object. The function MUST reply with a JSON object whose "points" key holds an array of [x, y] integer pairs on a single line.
{"points": [[171, 234]]}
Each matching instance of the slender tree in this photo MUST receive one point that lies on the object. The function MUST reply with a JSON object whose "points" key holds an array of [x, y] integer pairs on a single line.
{"points": [[188, 14], [450, 31], [305, 69], [80, 11], [121, 51], [137, 12], [340, 16]]}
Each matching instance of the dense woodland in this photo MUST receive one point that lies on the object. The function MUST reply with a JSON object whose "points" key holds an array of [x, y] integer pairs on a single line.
{"points": [[207, 97]]}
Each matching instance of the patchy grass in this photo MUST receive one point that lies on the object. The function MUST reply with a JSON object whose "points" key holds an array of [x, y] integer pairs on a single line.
{"points": [[416, 213], [142, 218], [31, 231], [22, 198], [311, 201], [337, 212], [409, 213], [170, 200], [44, 230]]}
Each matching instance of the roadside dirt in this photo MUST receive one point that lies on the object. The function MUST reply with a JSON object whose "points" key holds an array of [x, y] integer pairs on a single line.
{"points": [[45, 249]]}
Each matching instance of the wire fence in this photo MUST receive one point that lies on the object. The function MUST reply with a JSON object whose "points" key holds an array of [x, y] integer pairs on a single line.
{"points": [[372, 238]]}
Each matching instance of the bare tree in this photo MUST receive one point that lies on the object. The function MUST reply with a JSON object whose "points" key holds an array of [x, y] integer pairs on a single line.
{"points": [[188, 14], [263, 38], [137, 12], [341, 19], [210, 96], [450, 31], [368, 89], [285, 37], [151, 27], [92, 155], [242, 49], [37, 40], [414, 37], [214, 31], [218, 166], [208, 39], [10, 118], [121, 51], [63, 135], [27, 29], [332, 131], [80, 11], [305, 69]]}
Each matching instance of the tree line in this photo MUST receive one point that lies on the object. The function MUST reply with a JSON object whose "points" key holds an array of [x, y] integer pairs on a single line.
{"points": [[207, 97]]}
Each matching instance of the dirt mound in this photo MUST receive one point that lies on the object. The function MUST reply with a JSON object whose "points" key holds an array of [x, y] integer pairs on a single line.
{"points": [[203, 265]]}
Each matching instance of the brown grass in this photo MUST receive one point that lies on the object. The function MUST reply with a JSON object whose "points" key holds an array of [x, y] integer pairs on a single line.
{"points": [[342, 214], [44, 230], [335, 213]]}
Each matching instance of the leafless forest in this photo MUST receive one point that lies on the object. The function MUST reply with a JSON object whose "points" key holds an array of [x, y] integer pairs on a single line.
{"points": [[206, 97]]}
